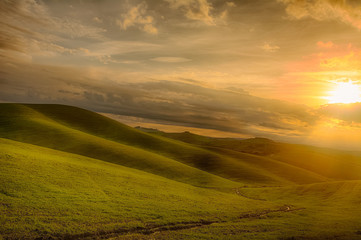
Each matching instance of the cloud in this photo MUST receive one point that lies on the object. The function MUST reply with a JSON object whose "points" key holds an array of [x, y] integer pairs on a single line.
{"points": [[197, 56], [97, 19], [346, 11], [16, 16], [106, 59], [171, 59], [171, 102], [346, 112], [270, 48], [199, 10], [190, 105], [177, 103], [338, 57], [27, 27], [328, 44], [72, 28], [231, 4], [340, 60], [107, 51], [137, 17]]}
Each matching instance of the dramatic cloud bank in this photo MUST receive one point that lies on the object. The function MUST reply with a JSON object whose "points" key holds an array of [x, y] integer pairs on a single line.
{"points": [[253, 67]]}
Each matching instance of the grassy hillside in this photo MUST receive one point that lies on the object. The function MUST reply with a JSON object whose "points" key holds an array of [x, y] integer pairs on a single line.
{"points": [[85, 176], [329, 210], [256, 146], [331, 164], [53, 194], [315, 211], [27, 125], [86, 133], [327, 162], [50, 193], [284, 170]]}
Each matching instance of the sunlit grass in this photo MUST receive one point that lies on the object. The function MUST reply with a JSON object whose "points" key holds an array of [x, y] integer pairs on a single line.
{"points": [[47, 192], [86, 176]]}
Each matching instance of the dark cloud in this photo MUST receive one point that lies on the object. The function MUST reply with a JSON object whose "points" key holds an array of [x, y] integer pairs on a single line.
{"points": [[346, 112], [196, 63], [172, 102], [28, 27], [16, 16]]}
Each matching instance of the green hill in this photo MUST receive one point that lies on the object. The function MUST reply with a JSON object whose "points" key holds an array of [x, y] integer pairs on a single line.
{"points": [[22, 123], [327, 210], [329, 163], [68, 173], [86, 133], [284, 170], [256, 146], [52, 194]]}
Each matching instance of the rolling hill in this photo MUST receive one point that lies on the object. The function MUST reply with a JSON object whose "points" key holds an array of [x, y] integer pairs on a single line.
{"points": [[69, 173], [87, 133], [24, 124], [53, 194], [329, 163]]}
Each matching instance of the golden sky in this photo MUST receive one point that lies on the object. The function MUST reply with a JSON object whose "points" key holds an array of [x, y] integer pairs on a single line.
{"points": [[289, 70]]}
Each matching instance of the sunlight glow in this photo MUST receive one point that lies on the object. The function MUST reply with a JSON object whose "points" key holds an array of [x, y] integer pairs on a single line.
{"points": [[345, 92]]}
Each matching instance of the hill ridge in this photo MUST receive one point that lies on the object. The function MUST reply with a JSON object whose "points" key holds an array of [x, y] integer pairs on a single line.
{"points": [[87, 133]]}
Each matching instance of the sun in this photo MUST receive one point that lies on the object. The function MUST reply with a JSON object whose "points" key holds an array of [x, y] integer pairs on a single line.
{"points": [[345, 92]]}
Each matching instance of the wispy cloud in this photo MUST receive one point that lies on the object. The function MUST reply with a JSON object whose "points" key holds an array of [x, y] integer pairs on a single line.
{"points": [[328, 44], [185, 103], [171, 59], [351, 113], [97, 19], [269, 47], [106, 51], [346, 11], [28, 27], [199, 10], [198, 63], [231, 4], [137, 16], [178, 103]]}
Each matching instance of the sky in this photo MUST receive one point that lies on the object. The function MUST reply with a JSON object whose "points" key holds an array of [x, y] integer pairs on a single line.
{"points": [[289, 70]]}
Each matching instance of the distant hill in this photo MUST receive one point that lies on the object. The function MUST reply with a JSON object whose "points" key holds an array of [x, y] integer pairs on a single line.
{"points": [[90, 134], [257, 146], [150, 130], [79, 131], [333, 164]]}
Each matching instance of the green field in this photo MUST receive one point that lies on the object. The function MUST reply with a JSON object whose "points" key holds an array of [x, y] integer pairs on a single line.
{"points": [[68, 173]]}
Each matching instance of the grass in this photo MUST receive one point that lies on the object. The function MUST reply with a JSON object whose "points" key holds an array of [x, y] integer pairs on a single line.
{"points": [[256, 146], [321, 163], [284, 170], [68, 173], [316, 211], [86, 133], [330, 210], [57, 194], [330, 163], [32, 127]]}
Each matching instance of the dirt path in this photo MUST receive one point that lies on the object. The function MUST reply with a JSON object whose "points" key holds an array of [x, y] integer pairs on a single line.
{"points": [[238, 192], [285, 208], [147, 230], [156, 228]]}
